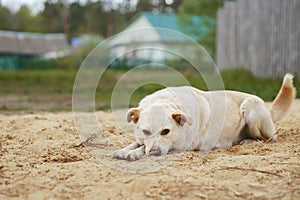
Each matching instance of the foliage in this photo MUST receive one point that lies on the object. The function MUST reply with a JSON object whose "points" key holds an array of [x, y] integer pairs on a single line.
{"points": [[206, 8], [93, 17], [76, 57], [209, 42], [5, 18], [158, 6], [88, 18], [52, 17]]}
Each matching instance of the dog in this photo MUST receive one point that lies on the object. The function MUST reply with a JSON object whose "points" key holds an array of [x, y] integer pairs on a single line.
{"points": [[185, 118]]}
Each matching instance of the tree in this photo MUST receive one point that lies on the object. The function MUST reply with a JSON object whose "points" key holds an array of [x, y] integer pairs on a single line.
{"points": [[6, 18], [94, 16], [207, 8], [202, 7], [158, 6], [24, 19], [53, 16], [88, 18]]}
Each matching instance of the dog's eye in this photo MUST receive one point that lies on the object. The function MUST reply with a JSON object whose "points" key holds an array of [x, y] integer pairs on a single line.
{"points": [[165, 132]]}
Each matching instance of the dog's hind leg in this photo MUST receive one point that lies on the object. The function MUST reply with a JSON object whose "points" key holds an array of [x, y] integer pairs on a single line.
{"points": [[258, 119]]}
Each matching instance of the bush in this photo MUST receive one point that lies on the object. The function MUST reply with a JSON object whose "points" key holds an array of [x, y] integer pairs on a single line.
{"points": [[79, 53]]}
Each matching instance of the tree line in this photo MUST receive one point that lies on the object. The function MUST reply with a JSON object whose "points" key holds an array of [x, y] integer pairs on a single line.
{"points": [[102, 17]]}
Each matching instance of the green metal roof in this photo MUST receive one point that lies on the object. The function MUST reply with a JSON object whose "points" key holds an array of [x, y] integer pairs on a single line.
{"points": [[193, 26]]}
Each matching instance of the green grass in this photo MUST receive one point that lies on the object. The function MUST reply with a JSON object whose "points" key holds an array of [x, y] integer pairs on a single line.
{"points": [[56, 86], [36, 83], [244, 81]]}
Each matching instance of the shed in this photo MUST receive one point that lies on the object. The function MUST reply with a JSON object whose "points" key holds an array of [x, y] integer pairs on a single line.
{"points": [[147, 28], [16, 47]]}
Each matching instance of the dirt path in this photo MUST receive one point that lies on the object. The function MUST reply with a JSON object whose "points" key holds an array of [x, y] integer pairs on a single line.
{"points": [[40, 158]]}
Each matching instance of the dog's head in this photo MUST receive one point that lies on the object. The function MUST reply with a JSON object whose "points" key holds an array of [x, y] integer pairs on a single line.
{"points": [[159, 127]]}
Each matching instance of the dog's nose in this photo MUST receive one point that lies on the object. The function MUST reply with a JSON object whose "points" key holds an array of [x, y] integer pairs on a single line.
{"points": [[155, 151], [146, 132], [154, 148]]}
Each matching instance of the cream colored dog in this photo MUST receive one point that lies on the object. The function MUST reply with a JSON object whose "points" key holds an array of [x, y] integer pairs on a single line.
{"points": [[185, 118]]}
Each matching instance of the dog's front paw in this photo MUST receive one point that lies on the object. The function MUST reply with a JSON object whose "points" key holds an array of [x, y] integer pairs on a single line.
{"points": [[135, 154], [121, 154]]}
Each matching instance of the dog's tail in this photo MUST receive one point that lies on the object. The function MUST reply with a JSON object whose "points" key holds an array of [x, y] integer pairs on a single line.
{"points": [[284, 99]]}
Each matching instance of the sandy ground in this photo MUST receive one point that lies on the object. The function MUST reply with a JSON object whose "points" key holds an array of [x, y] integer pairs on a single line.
{"points": [[42, 157]]}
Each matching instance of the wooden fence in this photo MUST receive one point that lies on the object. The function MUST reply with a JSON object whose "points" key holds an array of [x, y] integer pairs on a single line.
{"points": [[260, 35]]}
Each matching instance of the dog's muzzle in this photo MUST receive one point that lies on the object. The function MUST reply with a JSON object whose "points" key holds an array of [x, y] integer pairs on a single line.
{"points": [[155, 151]]}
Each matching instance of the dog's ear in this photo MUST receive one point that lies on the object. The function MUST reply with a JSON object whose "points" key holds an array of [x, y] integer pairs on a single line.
{"points": [[181, 119], [133, 114]]}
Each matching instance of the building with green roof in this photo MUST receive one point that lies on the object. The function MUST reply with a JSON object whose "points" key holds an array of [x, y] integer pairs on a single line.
{"points": [[162, 31], [19, 49]]}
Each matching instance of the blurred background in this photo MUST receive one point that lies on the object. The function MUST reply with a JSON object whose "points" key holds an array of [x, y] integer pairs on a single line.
{"points": [[44, 42]]}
